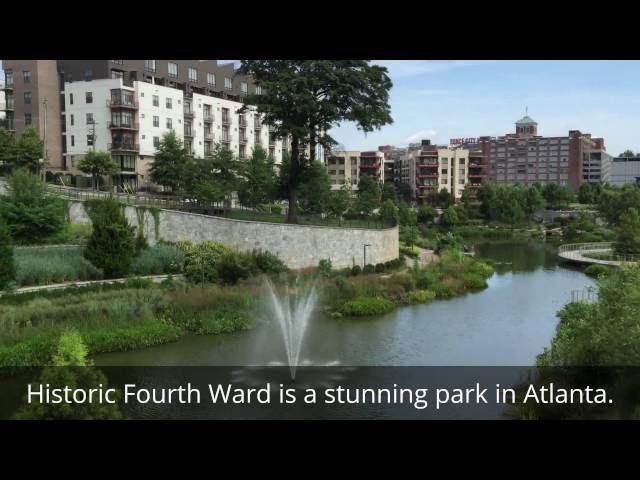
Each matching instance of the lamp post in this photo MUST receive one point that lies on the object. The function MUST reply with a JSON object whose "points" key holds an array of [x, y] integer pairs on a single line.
{"points": [[364, 248]]}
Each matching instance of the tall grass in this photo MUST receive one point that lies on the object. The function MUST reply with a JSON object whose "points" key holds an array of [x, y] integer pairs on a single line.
{"points": [[41, 266], [159, 259]]}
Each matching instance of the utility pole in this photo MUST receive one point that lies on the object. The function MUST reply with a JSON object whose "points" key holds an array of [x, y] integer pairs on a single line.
{"points": [[44, 142]]}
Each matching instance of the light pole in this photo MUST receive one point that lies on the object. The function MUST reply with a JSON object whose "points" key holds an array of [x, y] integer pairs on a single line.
{"points": [[364, 248]]}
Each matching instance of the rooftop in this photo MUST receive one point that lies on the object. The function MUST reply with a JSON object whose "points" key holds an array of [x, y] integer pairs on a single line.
{"points": [[526, 120]]}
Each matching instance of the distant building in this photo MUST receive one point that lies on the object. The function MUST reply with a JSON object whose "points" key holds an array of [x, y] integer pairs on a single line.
{"points": [[525, 157], [343, 167], [596, 167], [624, 171]]}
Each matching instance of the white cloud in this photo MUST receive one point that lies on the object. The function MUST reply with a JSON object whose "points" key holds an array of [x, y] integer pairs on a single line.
{"points": [[421, 134], [412, 68]]}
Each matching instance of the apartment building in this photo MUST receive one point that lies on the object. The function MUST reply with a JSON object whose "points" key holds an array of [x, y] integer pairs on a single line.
{"points": [[372, 164], [32, 99], [453, 169], [624, 171], [526, 158], [343, 167], [129, 122], [36, 96], [596, 167]]}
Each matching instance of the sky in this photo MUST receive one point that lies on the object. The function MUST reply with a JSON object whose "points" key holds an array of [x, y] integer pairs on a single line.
{"points": [[439, 100]]}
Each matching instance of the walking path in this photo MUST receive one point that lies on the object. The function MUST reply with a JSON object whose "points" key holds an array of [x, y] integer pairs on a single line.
{"points": [[583, 253], [58, 286]]}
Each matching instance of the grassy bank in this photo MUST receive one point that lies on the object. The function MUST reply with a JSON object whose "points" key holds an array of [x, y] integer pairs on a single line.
{"points": [[454, 274], [117, 319]]}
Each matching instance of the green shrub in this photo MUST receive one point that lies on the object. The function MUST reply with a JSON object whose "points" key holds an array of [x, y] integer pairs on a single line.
{"points": [[111, 246], [7, 264], [160, 259], [419, 296], [42, 266], [235, 266], [32, 214], [366, 306], [380, 267], [201, 262], [405, 280], [324, 267], [368, 269], [268, 262], [72, 234], [277, 209], [474, 280], [356, 270], [443, 291], [597, 270]]}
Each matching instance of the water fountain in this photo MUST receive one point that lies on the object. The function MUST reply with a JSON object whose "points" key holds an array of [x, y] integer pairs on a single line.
{"points": [[292, 309]]}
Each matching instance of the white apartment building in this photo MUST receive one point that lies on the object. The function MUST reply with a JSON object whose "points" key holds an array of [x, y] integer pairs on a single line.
{"points": [[129, 122], [432, 169], [343, 167]]}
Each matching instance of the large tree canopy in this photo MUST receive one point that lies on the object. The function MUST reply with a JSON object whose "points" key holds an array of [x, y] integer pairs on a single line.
{"points": [[303, 99]]}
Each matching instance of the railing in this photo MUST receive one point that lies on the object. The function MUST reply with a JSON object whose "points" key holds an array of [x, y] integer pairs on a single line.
{"points": [[188, 113], [123, 147], [188, 133], [226, 120], [595, 252], [121, 126], [208, 117], [570, 247], [120, 102], [208, 135], [243, 140], [242, 122], [226, 139]]}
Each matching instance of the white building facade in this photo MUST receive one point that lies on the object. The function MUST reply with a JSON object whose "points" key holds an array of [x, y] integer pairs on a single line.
{"points": [[129, 122]]}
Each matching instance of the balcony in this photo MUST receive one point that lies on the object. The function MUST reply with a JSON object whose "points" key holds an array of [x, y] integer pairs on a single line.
{"points": [[226, 120], [208, 136], [188, 113], [208, 117], [370, 165], [120, 102], [8, 87], [10, 106], [123, 147], [243, 140], [123, 126], [226, 139], [257, 141], [257, 125], [188, 133], [427, 175], [242, 122]]}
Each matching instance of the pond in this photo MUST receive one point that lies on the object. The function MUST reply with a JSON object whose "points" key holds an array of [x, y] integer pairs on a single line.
{"points": [[509, 323]]}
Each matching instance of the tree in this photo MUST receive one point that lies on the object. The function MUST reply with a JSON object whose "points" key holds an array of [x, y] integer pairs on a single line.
{"points": [[533, 201], [557, 196], [215, 177], [426, 213], [449, 217], [389, 192], [302, 100], [586, 193], [259, 182], [111, 245], [8, 149], [445, 198], [629, 233], [7, 265], [97, 164], [340, 201], [627, 154], [368, 195], [29, 210], [406, 215], [389, 212], [169, 166], [404, 191], [29, 150], [314, 188]]}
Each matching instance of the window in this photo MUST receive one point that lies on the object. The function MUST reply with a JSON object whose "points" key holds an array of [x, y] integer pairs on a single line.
{"points": [[116, 74], [9, 78], [156, 101], [89, 118], [88, 74], [89, 97], [461, 181], [156, 142], [27, 98], [211, 79], [193, 75], [90, 140], [26, 76], [71, 99], [169, 103], [169, 123], [227, 83], [71, 120], [258, 90], [461, 161], [118, 62], [73, 141], [243, 151], [27, 119], [173, 70], [156, 121], [150, 65], [244, 88]]}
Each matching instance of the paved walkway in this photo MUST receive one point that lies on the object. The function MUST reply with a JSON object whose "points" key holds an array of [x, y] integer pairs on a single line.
{"points": [[59, 286], [583, 252]]}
